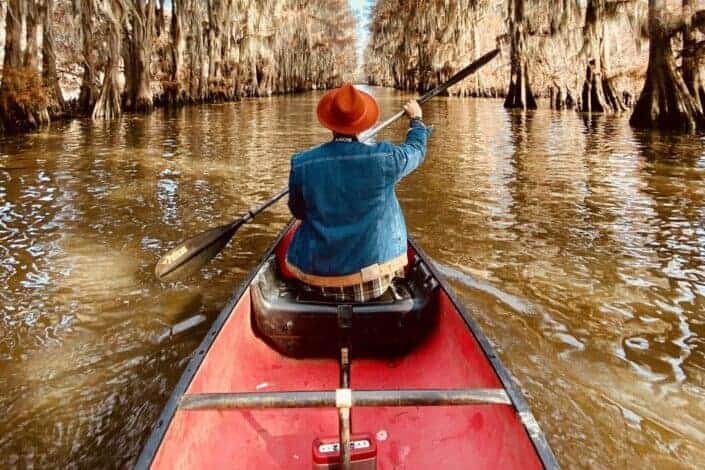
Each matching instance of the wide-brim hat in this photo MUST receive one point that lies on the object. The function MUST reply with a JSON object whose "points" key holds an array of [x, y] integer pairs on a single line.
{"points": [[347, 110]]}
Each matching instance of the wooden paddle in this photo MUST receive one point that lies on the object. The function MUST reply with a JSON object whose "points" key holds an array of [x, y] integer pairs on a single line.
{"points": [[194, 253]]}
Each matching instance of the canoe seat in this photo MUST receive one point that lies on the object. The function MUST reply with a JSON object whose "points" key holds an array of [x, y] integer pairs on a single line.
{"points": [[298, 325]]}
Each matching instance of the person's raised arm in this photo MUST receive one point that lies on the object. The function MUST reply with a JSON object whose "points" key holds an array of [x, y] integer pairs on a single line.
{"points": [[409, 155]]}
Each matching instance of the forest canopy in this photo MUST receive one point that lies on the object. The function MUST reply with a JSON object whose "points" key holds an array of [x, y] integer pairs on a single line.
{"points": [[100, 57], [591, 55]]}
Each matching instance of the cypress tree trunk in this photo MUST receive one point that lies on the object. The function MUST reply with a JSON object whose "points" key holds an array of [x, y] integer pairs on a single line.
{"points": [[23, 101], [519, 94], [598, 94], [560, 97], [138, 56], [108, 104], [665, 100], [37, 109], [197, 54], [88, 94], [226, 57], [160, 23], [31, 53], [11, 65], [13, 34], [212, 46], [218, 13], [57, 103], [693, 57], [174, 90], [477, 78]]}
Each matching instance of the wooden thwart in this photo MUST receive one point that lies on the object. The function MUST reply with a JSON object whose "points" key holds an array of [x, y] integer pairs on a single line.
{"points": [[327, 398]]}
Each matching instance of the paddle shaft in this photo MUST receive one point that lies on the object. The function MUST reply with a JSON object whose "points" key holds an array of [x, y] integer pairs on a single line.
{"points": [[196, 251], [252, 213], [368, 134]]}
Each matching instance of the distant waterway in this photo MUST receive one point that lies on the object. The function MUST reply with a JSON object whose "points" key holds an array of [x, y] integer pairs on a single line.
{"points": [[578, 242]]}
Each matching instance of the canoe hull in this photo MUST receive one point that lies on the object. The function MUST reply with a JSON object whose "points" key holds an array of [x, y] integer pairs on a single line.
{"points": [[234, 359]]}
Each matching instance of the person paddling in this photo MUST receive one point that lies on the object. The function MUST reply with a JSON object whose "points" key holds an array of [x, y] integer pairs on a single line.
{"points": [[352, 237]]}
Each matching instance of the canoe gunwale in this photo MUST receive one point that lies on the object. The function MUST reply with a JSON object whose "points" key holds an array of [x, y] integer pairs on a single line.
{"points": [[533, 430], [149, 451], [159, 430]]}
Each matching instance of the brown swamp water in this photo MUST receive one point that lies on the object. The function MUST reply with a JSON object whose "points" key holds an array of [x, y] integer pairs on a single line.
{"points": [[579, 241]]}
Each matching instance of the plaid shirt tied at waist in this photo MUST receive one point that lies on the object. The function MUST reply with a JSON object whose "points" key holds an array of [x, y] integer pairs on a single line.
{"points": [[367, 284]]}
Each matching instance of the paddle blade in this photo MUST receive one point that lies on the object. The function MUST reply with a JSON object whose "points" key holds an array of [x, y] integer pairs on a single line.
{"points": [[191, 255]]}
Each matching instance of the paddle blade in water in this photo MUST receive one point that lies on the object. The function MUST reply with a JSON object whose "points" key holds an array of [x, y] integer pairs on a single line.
{"points": [[191, 255]]}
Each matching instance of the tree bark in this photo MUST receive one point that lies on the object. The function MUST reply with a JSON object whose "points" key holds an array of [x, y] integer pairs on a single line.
{"points": [[665, 100], [196, 51], [11, 65], [598, 93], [88, 94], [108, 104], [560, 97], [693, 57], [160, 22], [36, 110], [519, 94], [23, 101], [32, 23], [219, 12], [138, 55], [212, 45], [57, 104], [13, 35], [175, 89], [479, 91]]}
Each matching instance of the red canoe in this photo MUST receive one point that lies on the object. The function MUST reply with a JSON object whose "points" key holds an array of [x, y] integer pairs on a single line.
{"points": [[269, 387]]}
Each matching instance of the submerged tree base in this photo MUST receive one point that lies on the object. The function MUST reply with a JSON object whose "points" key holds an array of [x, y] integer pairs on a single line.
{"points": [[599, 95], [560, 98], [108, 105], [519, 95], [667, 105], [665, 102], [142, 105]]}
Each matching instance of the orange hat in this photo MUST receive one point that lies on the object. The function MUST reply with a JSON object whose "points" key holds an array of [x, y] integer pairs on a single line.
{"points": [[347, 110]]}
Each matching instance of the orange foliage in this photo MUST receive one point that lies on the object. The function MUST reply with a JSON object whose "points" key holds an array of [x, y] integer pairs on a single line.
{"points": [[23, 87], [24, 99]]}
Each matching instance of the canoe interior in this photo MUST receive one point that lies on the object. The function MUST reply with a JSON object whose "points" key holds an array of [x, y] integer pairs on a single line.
{"points": [[477, 436]]}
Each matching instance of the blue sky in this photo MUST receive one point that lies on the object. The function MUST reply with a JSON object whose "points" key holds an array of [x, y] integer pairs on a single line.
{"points": [[361, 11]]}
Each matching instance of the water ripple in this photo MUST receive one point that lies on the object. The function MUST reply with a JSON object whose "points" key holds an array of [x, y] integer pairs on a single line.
{"points": [[579, 242]]}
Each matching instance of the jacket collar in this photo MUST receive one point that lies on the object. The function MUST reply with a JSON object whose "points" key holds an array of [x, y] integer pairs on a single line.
{"points": [[340, 138]]}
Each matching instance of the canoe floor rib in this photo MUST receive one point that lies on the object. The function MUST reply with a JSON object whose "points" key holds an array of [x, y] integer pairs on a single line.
{"points": [[410, 437]]}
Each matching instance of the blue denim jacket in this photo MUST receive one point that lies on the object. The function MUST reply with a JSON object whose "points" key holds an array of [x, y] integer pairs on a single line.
{"points": [[343, 192]]}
